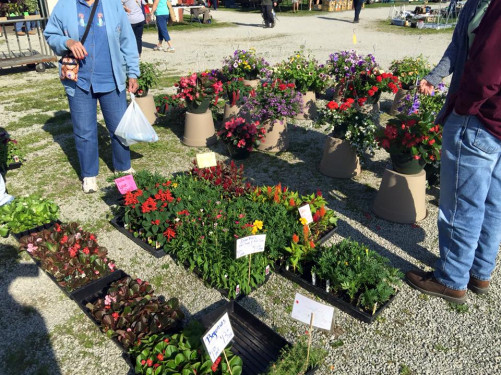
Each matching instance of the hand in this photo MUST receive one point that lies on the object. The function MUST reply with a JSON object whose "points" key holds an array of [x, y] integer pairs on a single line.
{"points": [[133, 86], [77, 49], [425, 87]]}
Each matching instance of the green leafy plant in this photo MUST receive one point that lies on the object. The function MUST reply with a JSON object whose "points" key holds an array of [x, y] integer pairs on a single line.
{"points": [[236, 90], [356, 274], [199, 89], [241, 133], [25, 213], [130, 311], [181, 353], [70, 254], [349, 124], [10, 151], [292, 359], [409, 69], [304, 71], [148, 78]]}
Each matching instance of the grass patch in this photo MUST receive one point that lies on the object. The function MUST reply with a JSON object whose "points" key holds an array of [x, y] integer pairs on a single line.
{"points": [[405, 370], [28, 121], [460, 308], [386, 27]]}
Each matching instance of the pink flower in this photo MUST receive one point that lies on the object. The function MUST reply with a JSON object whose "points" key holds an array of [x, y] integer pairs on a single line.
{"points": [[31, 248]]}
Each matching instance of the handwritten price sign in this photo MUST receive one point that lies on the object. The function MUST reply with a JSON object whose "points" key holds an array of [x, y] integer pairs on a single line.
{"points": [[206, 160], [218, 337], [250, 245], [304, 307]]}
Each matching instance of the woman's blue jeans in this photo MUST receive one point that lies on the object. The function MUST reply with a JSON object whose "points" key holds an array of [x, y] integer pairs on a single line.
{"points": [[469, 221], [163, 34], [83, 108]]}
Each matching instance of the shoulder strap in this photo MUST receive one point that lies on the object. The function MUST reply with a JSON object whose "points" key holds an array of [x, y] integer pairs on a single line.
{"points": [[89, 22]]}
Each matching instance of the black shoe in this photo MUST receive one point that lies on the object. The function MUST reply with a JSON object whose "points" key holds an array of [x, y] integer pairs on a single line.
{"points": [[272, 25], [356, 21]]}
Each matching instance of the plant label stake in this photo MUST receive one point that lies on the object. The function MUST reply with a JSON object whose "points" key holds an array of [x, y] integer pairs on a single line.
{"points": [[217, 339], [248, 246], [206, 160], [309, 340], [304, 308], [305, 213], [125, 184]]}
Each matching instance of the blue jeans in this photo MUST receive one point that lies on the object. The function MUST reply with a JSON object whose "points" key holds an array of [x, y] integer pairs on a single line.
{"points": [[163, 34], [469, 221], [83, 108]]}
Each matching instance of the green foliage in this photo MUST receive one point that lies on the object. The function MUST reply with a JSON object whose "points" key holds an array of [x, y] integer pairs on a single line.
{"points": [[460, 308], [25, 213], [293, 359], [357, 274], [130, 311], [69, 254], [304, 71], [10, 151], [149, 75], [180, 353], [409, 69]]}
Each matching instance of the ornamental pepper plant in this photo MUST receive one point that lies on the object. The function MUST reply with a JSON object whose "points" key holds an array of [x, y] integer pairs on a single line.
{"points": [[130, 311], [70, 254]]}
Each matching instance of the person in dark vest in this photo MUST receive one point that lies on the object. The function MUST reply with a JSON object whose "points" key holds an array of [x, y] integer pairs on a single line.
{"points": [[267, 9], [357, 5]]}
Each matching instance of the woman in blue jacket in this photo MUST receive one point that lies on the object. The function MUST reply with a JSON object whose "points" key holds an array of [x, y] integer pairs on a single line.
{"points": [[108, 56]]}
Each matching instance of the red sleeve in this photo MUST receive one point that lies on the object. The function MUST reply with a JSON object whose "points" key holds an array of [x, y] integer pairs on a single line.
{"points": [[482, 73]]}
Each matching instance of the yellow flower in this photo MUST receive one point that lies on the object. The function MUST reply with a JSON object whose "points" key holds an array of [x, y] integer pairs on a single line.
{"points": [[258, 224], [254, 230], [303, 221], [345, 263], [174, 184]]}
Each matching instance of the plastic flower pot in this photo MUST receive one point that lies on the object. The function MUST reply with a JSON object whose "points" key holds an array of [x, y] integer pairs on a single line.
{"points": [[339, 159], [406, 164], [309, 106], [199, 129], [237, 152], [254, 83], [276, 138], [199, 108], [230, 111]]}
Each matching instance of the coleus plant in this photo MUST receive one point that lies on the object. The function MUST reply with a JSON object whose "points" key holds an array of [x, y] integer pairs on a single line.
{"points": [[25, 213], [130, 311], [180, 353], [68, 253]]}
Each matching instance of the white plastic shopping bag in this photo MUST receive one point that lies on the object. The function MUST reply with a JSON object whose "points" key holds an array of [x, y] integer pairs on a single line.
{"points": [[134, 126]]}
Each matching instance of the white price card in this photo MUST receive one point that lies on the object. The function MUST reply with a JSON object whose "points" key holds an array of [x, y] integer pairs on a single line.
{"points": [[305, 212], [218, 337], [304, 307], [250, 245], [206, 160]]}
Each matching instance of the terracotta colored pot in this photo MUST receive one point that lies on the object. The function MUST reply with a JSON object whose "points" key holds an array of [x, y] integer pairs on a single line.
{"points": [[339, 159], [309, 106], [199, 129], [276, 138], [147, 105]]}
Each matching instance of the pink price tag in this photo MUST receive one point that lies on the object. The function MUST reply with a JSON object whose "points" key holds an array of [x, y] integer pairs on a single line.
{"points": [[126, 184]]}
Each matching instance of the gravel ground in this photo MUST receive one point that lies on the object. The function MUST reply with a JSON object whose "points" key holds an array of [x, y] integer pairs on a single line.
{"points": [[45, 333]]}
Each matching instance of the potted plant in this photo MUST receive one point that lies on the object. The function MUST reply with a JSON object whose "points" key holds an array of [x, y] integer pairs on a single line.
{"points": [[309, 77], [11, 153], [170, 106], [247, 65], [241, 136], [412, 141], [352, 136], [148, 78], [69, 254], [180, 353], [359, 276], [273, 102], [199, 91], [236, 90], [130, 311], [25, 213]]}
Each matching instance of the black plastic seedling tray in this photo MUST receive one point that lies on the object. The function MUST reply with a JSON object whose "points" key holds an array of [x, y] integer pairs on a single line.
{"points": [[333, 300], [326, 236], [256, 343], [37, 229], [118, 224]]}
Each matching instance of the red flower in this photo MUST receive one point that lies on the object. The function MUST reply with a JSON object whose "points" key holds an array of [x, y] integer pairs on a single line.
{"points": [[282, 87], [149, 362], [92, 237], [169, 234], [312, 245], [166, 340], [115, 315], [143, 362], [86, 251], [332, 105], [417, 157], [149, 205], [160, 356], [291, 202], [156, 365], [295, 238]]}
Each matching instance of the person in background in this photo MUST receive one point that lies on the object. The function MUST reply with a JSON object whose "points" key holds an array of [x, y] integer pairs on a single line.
{"points": [[28, 27], [108, 56], [469, 219], [204, 10], [267, 9], [162, 10], [317, 2], [295, 6], [135, 14], [357, 5]]}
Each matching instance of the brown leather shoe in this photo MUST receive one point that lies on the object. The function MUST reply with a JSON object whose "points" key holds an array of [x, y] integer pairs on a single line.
{"points": [[478, 286], [32, 32], [20, 33], [426, 283]]}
